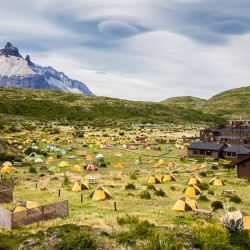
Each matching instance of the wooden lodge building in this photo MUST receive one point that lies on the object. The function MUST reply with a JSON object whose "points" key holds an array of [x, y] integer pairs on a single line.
{"points": [[243, 168], [234, 132], [206, 150]]}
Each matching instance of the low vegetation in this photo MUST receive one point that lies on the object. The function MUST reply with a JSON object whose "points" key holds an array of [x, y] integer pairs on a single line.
{"points": [[138, 216]]}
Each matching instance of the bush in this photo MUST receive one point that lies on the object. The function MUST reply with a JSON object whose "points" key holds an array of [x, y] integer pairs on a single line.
{"points": [[103, 165], [127, 219], [32, 169], [216, 205], [151, 187], [133, 176], [173, 188], [160, 192], [79, 240], [240, 239], [209, 236], [203, 186], [66, 180], [203, 198], [130, 186], [235, 199], [214, 167], [145, 195], [211, 192], [204, 174]]}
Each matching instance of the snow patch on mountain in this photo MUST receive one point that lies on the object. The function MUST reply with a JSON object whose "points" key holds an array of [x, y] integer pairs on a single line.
{"points": [[16, 66], [22, 73]]}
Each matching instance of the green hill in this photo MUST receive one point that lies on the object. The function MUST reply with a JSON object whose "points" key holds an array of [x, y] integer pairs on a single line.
{"points": [[61, 106], [186, 102], [231, 104]]}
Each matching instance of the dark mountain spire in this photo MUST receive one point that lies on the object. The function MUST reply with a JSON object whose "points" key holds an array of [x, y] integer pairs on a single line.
{"points": [[27, 58], [10, 50]]}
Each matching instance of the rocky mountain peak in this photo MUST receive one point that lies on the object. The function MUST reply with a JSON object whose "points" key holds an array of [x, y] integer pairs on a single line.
{"points": [[27, 58], [10, 50]]}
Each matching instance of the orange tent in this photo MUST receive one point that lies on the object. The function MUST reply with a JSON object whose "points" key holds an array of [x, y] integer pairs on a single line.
{"points": [[193, 167], [89, 158]]}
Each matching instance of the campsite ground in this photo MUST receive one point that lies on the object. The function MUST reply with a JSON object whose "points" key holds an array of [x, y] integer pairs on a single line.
{"points": [[101, 214]]}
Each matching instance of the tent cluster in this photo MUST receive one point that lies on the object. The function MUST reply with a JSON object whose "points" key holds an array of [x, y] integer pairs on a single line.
{"points": [[158, 179]]}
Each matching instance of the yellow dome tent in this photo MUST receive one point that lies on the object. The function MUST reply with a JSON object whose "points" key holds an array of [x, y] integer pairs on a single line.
{"points": [[26, 205], [191, 190], [168, 177], [216, 181], [100, 194], [154, 179], [77, 168], [50, 160], [161, 161], [80, 185], [185, 204], [194, 180], [7, 169]]}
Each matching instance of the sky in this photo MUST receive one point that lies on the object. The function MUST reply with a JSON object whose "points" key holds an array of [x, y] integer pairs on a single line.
{"points": [[144, 50]]}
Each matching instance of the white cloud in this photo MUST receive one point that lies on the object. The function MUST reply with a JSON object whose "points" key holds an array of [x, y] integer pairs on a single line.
{"points": [[136, 49]]}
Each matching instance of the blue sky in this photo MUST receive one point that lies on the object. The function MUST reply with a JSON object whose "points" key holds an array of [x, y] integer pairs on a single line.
{"points": [[136, 49]]}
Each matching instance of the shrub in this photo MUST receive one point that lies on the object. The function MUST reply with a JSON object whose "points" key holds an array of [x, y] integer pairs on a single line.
{"points": [[145, 195], [79, 240], [240, 239], [211, 192], [210, 236], [130, 186], [216, 205], [103, 165], [203, 198], [66, 180], [232, 209], [203, 186], [32, 169], [127, 219], [133, 176], [204, 174], [160, 192], [235, 199], [151, 187], [214, 167], [173, 188]]}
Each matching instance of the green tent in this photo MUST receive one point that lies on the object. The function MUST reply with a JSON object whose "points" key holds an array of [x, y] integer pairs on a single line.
{"points": [[55, 169]]}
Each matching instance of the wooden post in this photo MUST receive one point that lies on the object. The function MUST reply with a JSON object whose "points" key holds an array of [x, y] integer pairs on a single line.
{"points": [[81, 197], [115, 205], [36, 185], [59, 193], [1, 176]]}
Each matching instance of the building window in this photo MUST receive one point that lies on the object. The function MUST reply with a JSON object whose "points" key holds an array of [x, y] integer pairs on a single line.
{"points": [[196, 152], [230, 154], [208, 152]]}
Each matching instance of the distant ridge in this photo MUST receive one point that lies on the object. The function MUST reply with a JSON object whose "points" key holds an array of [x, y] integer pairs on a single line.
{"points": [[230, 104], [17, 72], [52, 105]]}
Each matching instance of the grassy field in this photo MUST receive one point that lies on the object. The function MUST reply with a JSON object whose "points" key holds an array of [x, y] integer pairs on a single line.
{"points": [[101, 215]]}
